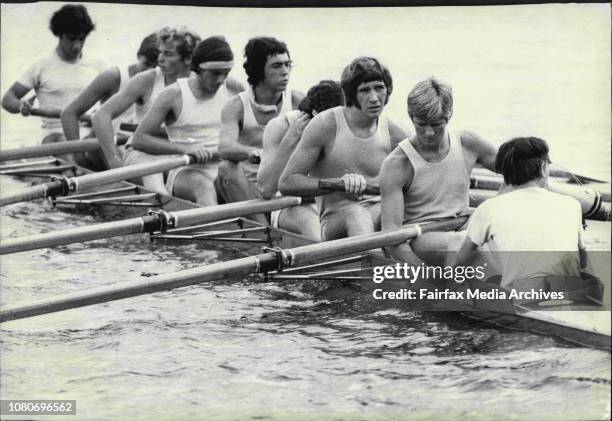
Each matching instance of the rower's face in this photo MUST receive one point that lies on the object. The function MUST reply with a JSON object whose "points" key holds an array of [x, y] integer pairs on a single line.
{"points": [[430, 132], [72, 45], [277, 70], [371, 97], [212, 79], [170, 61]]}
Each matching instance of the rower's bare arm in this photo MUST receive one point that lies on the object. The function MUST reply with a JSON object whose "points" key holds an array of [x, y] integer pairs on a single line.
{"points": [[145, 138], [294, 179], [100, 89], [279, 142], [12, 102], [483, 151], [397, 133], [102, 120], [396, 173], [229, 147]]}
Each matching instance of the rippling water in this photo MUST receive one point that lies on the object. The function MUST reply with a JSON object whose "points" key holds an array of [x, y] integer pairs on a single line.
{"points": [[248, 349]]}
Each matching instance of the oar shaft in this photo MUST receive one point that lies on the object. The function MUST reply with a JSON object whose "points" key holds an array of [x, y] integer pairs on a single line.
{"points": [[593, 207], [131, 171], [31, 193], [48, 149], [88, 233], [145, 224], [263, 262], [232, 210], [73, 184]]}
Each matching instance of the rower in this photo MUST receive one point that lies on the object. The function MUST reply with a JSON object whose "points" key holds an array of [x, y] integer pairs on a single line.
{"points": [[280, 138], [426, 178], [533, 232], [191, 110], [268, 67], [176, 47], [348, 142], [106, 85], [61, 75]]}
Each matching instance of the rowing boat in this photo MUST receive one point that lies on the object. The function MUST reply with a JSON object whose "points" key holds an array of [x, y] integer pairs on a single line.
{"points": [[122, 200]]}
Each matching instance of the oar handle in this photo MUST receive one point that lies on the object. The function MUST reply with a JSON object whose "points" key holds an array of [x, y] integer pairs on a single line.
{"points": [[334, 184], [128, 127], [73, 146], [38, 112]]}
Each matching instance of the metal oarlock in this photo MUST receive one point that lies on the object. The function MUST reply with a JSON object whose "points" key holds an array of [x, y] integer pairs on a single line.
{"points": [[283, 259], [165, 220], [61, 186]]}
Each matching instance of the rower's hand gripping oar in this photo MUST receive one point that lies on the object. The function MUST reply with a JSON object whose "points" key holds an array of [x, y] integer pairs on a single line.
{"points": [[65, 186], [253, 264]]}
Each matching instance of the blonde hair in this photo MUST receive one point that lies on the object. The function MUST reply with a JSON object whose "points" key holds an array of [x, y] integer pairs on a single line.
{"points": [[430, 99], [186, 40]]}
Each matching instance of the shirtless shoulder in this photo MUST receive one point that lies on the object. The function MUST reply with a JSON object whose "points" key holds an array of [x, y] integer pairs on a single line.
{"points": [[234, 85], [142, 83], [296, 98], [397, 132]]}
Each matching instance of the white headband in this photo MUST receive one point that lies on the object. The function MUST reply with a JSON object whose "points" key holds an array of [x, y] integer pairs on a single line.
{"points": [[211, 65]]}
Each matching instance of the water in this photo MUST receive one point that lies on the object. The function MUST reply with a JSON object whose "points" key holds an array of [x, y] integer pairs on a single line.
{"points": [[241, 349]]}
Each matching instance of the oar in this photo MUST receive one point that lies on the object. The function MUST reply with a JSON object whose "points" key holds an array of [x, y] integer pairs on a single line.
{"points": [[73, 184], [555, 171], [494, 182], [149, 223], [47, 149], [261, 263], [590, 201]]}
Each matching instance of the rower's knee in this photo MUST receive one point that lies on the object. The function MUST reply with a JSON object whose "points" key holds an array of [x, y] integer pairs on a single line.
{"points": [[358, 221], [229, 172]]}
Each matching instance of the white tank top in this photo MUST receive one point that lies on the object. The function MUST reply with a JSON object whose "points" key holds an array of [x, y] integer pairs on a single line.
{"points": [[252, 132], [158, 85], [128, 115], [352, 154], [200, 120], [438, 190]]}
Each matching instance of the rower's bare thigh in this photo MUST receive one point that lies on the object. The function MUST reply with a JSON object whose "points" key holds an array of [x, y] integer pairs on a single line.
{"points": [[303, 219], [351, 220]]}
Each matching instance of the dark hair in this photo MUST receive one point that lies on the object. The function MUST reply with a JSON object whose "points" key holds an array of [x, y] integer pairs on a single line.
{"points": [[71, 19], [256, 53], [363, 70], [322, 96], [520, 160], [214, 48], [149, 48]]}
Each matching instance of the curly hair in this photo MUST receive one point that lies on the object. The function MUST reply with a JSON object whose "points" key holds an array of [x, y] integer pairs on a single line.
{"points": [[256, 54], [363, 70], [186, 40], [71, 19], [322, 96]]}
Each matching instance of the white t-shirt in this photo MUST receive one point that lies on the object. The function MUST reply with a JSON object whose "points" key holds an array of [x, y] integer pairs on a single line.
{"points": [[58, 82], [536, 232]]}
